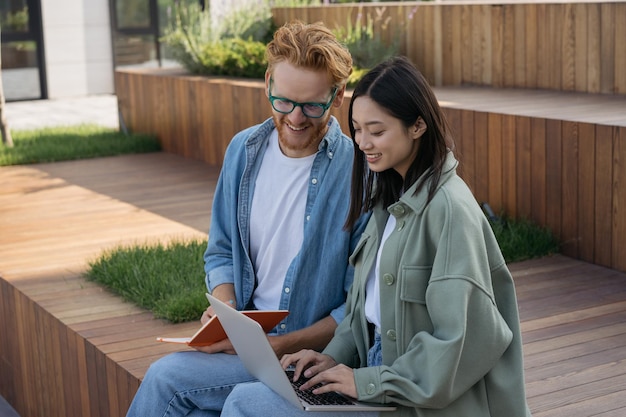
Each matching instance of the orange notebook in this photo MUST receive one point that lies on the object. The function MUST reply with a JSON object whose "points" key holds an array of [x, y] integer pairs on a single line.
{"points": [[212, 330]]}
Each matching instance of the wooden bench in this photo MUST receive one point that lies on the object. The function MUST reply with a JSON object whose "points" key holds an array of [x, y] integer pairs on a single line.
{"points": [[551, 156], [70, 348]]}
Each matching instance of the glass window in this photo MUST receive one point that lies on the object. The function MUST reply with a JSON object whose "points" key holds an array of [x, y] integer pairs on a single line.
{"points": [[20, 71], [132, 14], [135, 50], [14, 16]]}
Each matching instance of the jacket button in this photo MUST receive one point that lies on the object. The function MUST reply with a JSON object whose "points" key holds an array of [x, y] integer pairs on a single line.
{"points": [[399, 210], [391, 334], [371, 388], [388, 279]]}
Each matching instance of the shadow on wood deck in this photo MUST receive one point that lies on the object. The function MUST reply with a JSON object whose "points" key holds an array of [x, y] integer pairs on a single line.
{"points": [[69, 348]]}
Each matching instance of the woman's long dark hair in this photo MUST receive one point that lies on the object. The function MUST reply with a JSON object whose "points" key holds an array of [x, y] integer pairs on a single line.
{"points": [[400, 89]]}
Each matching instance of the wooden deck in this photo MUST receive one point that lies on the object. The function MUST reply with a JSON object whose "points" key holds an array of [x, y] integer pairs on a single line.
{"points": [[69, 348]]}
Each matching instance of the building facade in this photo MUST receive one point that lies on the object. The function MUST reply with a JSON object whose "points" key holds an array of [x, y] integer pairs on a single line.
{"points": [[68, 48]]}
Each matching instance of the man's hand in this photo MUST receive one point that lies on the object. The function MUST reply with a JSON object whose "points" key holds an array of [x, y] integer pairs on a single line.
{"points": [[225, 293]]}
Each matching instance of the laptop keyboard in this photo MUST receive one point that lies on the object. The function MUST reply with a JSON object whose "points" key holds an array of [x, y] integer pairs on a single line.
{"points": [[327, 398]]}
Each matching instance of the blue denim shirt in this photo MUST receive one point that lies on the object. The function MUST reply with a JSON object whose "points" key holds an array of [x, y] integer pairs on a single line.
{"points": [[319, 277]]}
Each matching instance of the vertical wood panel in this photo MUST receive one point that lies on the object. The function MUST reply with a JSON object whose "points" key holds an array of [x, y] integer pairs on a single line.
{"points": [[10, 381], [569, 225], [457, 73], [481, 156], [468, 154], [603, 218], [495, 171], [81, 363], [429, 49], [453, 117], [519, 74], [523, 166], [532, 30], [466, 34], [437, 76], [486, 46], [497, 45], [476, 45], [556, 54], [620, 48], [538, 161], [447, 46], [508, 39], [594, 48], [568, 45], [607, 48], [414, 38], [509, 165], [581, 49], [546, 29], [619, 198], [554, 177], [29, 371], [586, 190]]}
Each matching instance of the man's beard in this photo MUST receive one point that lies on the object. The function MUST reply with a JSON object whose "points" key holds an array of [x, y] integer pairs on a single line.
{"points": [[315, 133]]}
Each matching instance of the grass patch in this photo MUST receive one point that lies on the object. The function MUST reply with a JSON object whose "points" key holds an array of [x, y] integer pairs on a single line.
{"points": [[65, 143], [169, 281], [521, 239]]}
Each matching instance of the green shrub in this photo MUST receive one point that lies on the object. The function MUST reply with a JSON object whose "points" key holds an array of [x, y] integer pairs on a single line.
{"points": [[357, 74], [234, 57], [233, 46], [365, 44]]}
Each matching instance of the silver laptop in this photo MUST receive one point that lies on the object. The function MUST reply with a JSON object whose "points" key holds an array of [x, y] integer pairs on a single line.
{"points": [[257, 355]]}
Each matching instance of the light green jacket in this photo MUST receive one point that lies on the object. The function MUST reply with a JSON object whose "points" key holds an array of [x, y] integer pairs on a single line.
{"points": [[451, 342]]}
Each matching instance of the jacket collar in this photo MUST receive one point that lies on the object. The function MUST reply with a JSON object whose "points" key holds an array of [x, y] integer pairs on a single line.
{"points": [[418, 202]]}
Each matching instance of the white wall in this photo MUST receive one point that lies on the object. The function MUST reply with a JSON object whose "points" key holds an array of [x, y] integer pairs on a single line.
{"points": [[77, 42]]}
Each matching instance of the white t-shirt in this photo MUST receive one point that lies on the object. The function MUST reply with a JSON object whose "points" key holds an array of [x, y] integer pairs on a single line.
{"points": [[277, 220], [372, 289]]}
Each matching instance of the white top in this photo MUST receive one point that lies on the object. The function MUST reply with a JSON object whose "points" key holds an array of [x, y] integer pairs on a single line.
{"points": [[372, 289], [277, 220]]}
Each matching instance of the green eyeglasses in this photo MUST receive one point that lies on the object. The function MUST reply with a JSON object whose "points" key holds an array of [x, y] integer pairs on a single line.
{"points": [[312, 110]]}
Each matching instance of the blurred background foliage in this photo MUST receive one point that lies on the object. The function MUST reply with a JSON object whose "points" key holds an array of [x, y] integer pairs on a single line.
{"points": [[234, 45]]}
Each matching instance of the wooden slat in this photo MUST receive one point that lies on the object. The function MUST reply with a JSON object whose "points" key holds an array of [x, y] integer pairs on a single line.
{"points": [[619, 198], [581, 41], [532, 15], [481, 156], [554, 178], [620, 50], [495, 158], [569, 190], [523, 168], [539, 160], [586, 190]]}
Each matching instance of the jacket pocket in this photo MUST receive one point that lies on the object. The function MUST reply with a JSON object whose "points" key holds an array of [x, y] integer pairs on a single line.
{"points": [[413, 283]]}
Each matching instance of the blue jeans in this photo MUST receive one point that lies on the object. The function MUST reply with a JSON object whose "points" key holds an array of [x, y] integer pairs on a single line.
{"points": [[256, 399], [188, 383]]}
